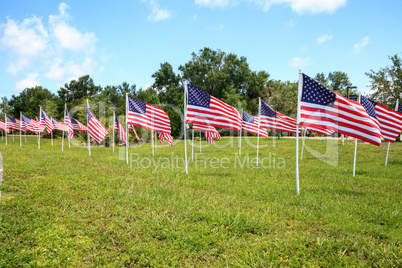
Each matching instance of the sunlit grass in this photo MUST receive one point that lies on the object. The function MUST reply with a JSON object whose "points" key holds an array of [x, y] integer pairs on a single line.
{"points": [[70, 209]]}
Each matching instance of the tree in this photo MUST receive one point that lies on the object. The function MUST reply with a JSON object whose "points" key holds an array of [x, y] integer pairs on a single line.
{"points": [[77, 90], [5, 108], [337, 81], [386, 84]]}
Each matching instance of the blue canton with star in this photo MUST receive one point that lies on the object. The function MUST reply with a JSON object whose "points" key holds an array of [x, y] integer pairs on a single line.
{"points": [[316, 93], [266, 110], [400, 108], [248, 118], [137, 106], [198, 97], [90, 114], [369, 106]]}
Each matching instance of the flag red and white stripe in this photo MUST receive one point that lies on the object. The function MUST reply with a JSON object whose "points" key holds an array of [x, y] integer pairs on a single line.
{"points": [[120, 129], [45, 121], [67, 124], [57, 125], [250, 124], [163, 135], [77, 125], [135, 132], [209, 131], [95, 129], [3, 126]]}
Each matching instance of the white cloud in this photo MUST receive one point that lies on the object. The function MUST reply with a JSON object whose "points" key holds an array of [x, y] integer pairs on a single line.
{"points": [[324, 38], [213, 3], [297, 62], [31, 80], [357, 47], [157, 13]]}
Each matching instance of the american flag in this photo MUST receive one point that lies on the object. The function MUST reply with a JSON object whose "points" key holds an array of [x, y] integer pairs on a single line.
{"points": [[322, 108], [400, 108], [95, 129], [205, 109], [163, 135], [31, 124], [67, 124], [275, 120], [147, 116], [45, 121], [3, 126], [250, 124], [390, 122], [209, 131], [12, 123], [135, 132], [57, 125], [119, 127], [77, 125]]}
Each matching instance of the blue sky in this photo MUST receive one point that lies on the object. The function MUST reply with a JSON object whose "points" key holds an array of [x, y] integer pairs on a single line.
{"points": [[51, 42]]}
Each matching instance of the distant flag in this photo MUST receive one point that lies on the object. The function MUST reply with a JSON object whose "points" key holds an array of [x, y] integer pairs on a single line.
{"points": [[45, 121], [250, 124], [205, 109], [147, 116], [209, 131], [119, 127], [77, 125], [322, 108], [95, 129], [3, 126], [135, 132], [12, 123], [390, 122], [163, 135], [31, 124], [57, 125], [67, 124], [274, 120]]}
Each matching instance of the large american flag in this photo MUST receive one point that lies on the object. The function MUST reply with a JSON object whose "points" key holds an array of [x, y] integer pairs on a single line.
{"points": [[31, 124], [77, 125], [205, 109], [390, 122], [322, 108], [95, 129], [250, 124], [135, 132], [67, 124], [163, 135], [45, 121], [209, 131], [274, 120], [147, 116], [3, 126], [120, 129], [57, 125]]}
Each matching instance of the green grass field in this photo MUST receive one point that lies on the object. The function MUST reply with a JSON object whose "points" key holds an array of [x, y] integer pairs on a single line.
{"points": [[69, 209]]}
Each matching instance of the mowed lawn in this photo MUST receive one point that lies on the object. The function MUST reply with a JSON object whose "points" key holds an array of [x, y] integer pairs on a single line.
{"points": [[74, 210]]}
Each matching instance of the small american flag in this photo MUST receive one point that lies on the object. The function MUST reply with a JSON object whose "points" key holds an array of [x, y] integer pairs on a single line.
{"points": [[205, 109], [68, 125], [274, 120], [322, 108], [12, 123], [3, 126], [135, 132], [209, 131], [147, 116], [390, 122], [250, 124], [163, 135], [95, 129], [31, 124], [119, 128], [57, 125], [77, 125], [45, 121]]}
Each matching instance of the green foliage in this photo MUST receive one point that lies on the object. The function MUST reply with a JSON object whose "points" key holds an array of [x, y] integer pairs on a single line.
{"points": [[337, 81], [386, 84]]}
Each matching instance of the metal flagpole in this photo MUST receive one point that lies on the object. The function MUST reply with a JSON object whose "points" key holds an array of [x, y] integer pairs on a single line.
{"points": [[40, 123], [20, 130], [241, 132], [89, 139], [25, 135], [184, 126], [2, 138], [304, 137], [386, 158], [64, 126], [200, 141], [127, 133], [156, 139], [114, 122], [299, 93], [51, 133], [12, 132], [192, 147], [5, 120], [258, 133], [354, 160], [152, 142]]}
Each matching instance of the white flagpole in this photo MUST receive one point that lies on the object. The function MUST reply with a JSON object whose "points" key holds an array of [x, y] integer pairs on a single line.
{"points": [[128, 134], [304, 137], [152, 142], [25, 135], [354, 160], [40, 124], [258, 133], [241, 132], [89, 139], [200, 141], [20, 130], [192, 147], [5, 120], [114, 122], [386, 158], [12, 132], [51, 133], [156, 139], [299, 93], [64, 126], [2, 138], [184, 126]]}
